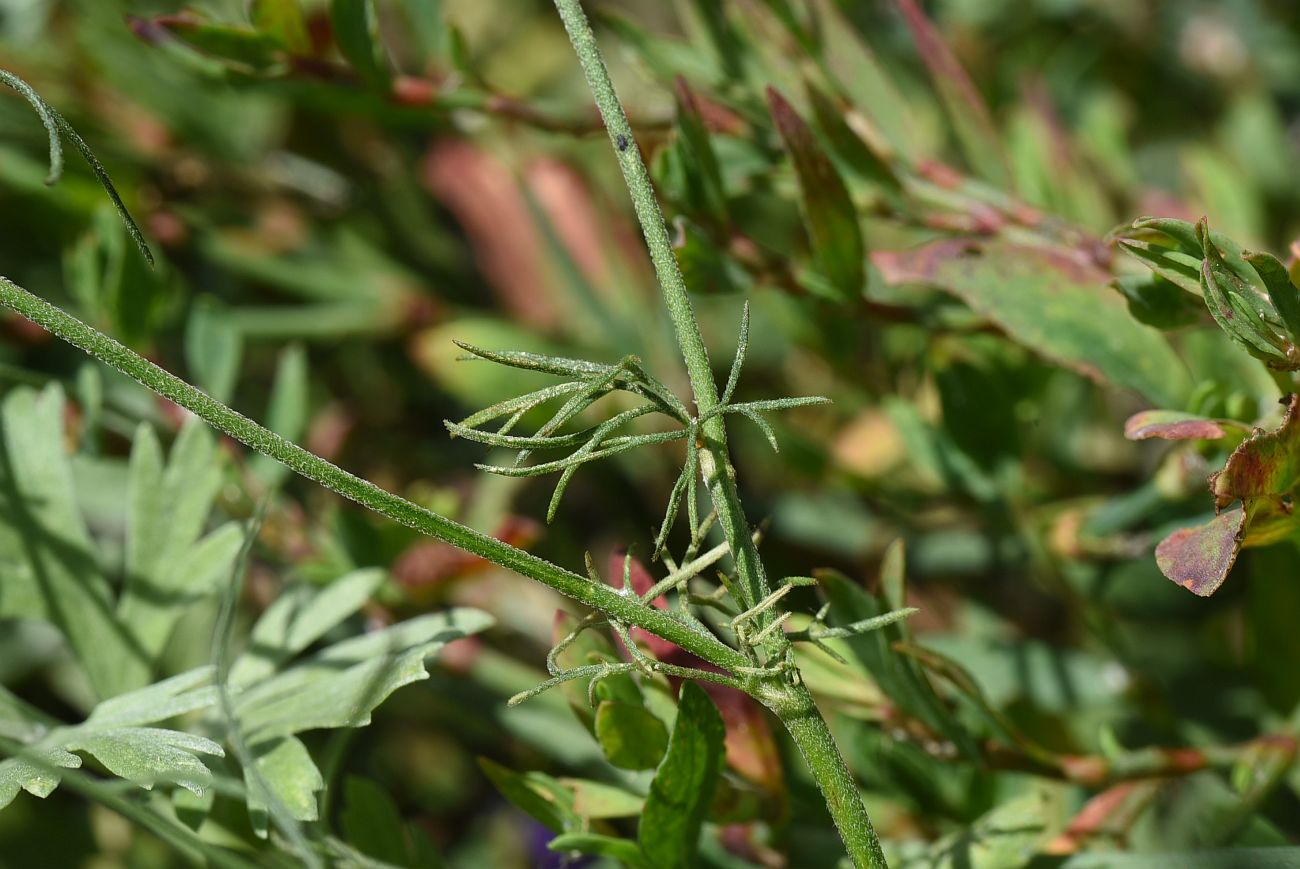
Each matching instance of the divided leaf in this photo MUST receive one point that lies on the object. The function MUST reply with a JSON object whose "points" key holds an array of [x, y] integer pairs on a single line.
{"points": [[46, 552], [116, 735]]}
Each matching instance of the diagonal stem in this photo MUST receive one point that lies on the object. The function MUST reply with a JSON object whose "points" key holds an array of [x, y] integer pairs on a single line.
{"points": [[595, 595]]}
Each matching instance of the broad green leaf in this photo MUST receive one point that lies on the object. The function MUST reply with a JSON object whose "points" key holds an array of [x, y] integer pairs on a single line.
{"points": [[593, 799], [971, 121], [624, 851], [148, 755], [341, 685], [285, 767], [828, 212], [705, 267], [1053, 302], [49, 565], [299, 617], [282, 19], [848, 146], [115, 734], [356, 31], [542, 797], [631, 736], [1159, 302], [851, 62], [683, 785], [1010, 835], [169, 566]]}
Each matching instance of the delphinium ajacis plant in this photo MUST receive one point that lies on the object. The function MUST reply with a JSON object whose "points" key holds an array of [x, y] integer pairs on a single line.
{"points": [[759, 658]]}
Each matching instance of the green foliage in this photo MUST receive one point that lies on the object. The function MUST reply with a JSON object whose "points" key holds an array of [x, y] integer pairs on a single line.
{"points": [[916, 209]]}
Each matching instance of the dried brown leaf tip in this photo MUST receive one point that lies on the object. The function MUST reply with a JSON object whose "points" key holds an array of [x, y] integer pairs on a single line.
{"points": [[1266, 464], [1260, 474], [1172, 425]]}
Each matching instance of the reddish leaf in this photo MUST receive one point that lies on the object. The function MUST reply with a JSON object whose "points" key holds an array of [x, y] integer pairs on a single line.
{"points": [[828, 212], [1199, 558], [1266, 464], [969, 115], [1172, 425]]}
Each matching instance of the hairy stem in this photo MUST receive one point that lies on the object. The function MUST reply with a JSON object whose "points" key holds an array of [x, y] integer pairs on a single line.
{"points": [[813, 737], [795, 707], [715, 467], [598, 596]]}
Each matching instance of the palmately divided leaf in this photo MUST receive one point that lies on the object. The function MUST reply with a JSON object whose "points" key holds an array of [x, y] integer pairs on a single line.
{"points": [[298, 618], [117, 736], [341, 685], [169, 564], [49, 565], [285, 767]]}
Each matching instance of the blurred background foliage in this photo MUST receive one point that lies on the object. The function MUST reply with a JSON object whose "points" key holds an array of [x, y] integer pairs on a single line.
{"points": [[332, 206]]}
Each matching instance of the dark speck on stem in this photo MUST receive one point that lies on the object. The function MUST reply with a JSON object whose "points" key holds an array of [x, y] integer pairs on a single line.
{"points": [[622, 142]]}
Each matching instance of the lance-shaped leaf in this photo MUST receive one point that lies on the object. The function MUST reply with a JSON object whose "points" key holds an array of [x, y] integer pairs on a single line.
{"points": [[699, 162], [242, 46], [1173, 425], [630, 735], [683, 785], [828, 212], [966, 110], [356, 31], [1282, 291], [1266, 464], [116, 735], [848, 146], [1052, 301], [1240, 310]]}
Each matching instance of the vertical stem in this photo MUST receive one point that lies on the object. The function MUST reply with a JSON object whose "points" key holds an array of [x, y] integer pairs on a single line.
{"points": [[715, 468], [813, 737], [793, 704]]}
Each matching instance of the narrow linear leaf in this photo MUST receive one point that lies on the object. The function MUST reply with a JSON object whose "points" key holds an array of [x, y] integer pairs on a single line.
{"points": [[971, 121], [356, 31], [828, 212]]}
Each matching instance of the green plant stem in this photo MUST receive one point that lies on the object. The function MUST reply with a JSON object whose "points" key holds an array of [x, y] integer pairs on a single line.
{"points": [[793, 704], [812, 735], [715, 468], [598, 596]]}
